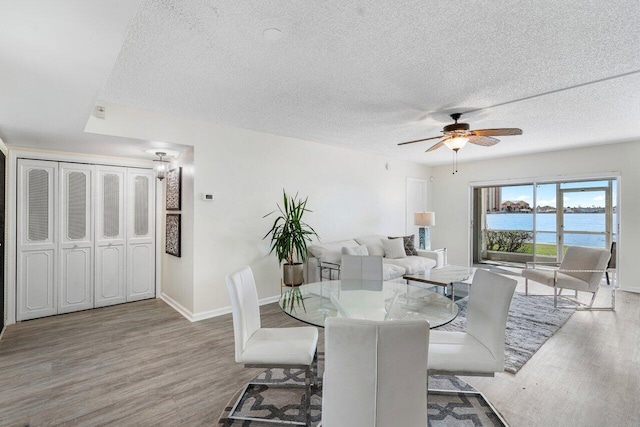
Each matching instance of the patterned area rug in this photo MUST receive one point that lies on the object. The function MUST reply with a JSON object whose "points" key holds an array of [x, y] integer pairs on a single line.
{"points": [[444, 409], [532, 321]]}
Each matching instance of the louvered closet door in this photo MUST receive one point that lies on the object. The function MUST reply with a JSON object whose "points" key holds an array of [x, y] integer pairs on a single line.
{"points": [[76, 238], [36, 261], [140, 235], [110, 236]]}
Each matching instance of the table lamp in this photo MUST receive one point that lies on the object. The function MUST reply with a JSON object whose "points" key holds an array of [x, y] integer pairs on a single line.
{"points": [[424, 220]]}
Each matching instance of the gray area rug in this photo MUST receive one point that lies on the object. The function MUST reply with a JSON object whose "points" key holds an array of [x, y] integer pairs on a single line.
{"points": [[532, 321], [444, 409]]}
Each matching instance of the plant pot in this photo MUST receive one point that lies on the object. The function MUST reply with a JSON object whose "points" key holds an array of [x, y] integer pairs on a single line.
{"points": [[293, 274]]}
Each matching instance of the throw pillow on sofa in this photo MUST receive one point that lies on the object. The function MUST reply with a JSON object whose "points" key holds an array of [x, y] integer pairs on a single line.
{"points": [[393, 248], [358, 251], [409, 244], [330, 252], [374, 246]]}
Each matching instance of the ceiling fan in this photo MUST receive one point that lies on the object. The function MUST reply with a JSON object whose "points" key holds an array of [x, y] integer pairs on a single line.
{"points": [[456, 135]]}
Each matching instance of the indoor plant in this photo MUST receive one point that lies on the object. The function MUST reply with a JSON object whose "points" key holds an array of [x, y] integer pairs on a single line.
{"points": [[289, 237]]}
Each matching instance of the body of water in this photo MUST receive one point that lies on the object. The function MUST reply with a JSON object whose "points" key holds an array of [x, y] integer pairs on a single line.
{"points": [[546, 226]]}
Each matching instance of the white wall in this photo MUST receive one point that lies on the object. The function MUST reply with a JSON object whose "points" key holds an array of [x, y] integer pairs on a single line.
{"points": [[451, 195], [351, 194], [177, 272]]}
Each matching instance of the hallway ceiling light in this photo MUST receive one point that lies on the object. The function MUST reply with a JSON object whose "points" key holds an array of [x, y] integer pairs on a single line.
{"points": [[161, 167]]}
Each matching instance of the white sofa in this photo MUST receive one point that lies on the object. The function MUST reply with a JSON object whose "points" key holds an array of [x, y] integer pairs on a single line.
{"points": [[393, 269]]}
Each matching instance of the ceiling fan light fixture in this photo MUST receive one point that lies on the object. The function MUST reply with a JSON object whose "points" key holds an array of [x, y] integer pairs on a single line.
{"points": [[456, 143]]}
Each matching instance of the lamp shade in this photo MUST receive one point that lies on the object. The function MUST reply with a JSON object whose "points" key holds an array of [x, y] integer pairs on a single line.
{"points": [[424, 219]]}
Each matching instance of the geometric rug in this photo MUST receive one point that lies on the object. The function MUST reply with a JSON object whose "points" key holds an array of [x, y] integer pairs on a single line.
{"points": [[444, 410], [531, 322]]}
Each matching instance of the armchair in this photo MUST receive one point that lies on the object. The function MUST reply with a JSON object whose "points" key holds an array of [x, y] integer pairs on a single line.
{"points": [[581, 270]]}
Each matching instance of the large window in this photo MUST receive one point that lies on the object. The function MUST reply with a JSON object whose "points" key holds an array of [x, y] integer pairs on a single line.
{"points": [[537, 221]]}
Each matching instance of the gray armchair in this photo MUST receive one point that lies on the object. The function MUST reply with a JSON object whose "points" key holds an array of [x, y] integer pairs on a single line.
{"points": [[581, 270]]}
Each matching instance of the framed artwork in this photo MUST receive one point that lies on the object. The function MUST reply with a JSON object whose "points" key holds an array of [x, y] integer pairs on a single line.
{"points": [[174, 189], [172, 240]]}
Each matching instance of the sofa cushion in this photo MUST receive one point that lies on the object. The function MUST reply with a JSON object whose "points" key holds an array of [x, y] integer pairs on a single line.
{"points": [[358, 251], [391, 271], [412, 264], [331, 252], [393, 248], [373, 244], [409, 245]]}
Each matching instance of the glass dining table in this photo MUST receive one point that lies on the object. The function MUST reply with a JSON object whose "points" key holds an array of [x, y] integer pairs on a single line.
{"points": [[313, 303]]}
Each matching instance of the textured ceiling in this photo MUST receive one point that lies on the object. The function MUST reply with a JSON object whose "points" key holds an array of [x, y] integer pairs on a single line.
{"points": [[363, 75], [367, 75]]}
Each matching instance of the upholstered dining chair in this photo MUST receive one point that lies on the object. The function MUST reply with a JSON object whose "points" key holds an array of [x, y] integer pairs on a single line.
{"points": [[581, 269], [258, 347], [355, 267], [479, 350], [375, 373]]}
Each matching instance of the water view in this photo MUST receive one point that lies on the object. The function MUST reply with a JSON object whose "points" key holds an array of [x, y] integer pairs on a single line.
{"points": [[546, 226]]}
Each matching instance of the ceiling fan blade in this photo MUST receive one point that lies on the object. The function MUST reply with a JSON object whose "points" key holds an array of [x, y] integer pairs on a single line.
{"points": [[496, 132], [485, 141], [420, 140], [436, 146]]}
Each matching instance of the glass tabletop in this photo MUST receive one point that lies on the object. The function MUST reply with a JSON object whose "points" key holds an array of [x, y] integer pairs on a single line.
{"points": [[366, 299], [443, 275]]}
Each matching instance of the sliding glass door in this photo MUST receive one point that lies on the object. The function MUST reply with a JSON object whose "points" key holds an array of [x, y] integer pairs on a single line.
{"points": [[538, 221], [586, 217]]}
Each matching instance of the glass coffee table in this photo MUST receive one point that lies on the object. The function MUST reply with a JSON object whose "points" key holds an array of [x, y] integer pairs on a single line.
{"points": [[444, 276], [313, 303]]}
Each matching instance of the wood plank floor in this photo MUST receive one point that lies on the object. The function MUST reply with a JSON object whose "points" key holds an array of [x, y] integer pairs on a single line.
{"points": [[587, 374], [144, 364]]}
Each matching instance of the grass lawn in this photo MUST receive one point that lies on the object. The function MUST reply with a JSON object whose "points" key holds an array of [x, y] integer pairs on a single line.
{"points": [[544, 249]]}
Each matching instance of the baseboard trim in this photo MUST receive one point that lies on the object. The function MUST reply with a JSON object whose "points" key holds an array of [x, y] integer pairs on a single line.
{"points": [[2, 332], [190, 316], [177, 307]]}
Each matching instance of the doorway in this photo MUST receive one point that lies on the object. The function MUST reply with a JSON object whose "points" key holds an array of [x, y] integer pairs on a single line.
{"points": [[416, 202]]}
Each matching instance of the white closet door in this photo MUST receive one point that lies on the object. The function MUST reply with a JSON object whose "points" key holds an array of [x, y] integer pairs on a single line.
{"points": [[110, 236], [76, 238], [37, 226], [140, 234]]}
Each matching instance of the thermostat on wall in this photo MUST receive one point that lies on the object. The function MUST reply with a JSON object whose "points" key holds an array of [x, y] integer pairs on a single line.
{"points": [[208, 197]]}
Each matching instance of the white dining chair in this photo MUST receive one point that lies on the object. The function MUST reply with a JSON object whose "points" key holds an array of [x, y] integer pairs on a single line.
{"points": [[375, 373], [356, 267], [257, 347], [479, 350]]}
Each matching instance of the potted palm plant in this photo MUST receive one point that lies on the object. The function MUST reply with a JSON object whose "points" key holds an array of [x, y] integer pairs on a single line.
{"points": [[289, 237]]}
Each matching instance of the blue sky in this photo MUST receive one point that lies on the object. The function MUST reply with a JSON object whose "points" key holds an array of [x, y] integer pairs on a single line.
{"points": [[547, 194]]}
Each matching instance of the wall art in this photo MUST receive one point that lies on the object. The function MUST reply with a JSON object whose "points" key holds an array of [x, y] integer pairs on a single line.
{"points": [[172, 240], [174, 189]]}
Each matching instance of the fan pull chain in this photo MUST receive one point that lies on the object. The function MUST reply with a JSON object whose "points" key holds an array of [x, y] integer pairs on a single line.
{"points": [[454, 167]]}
